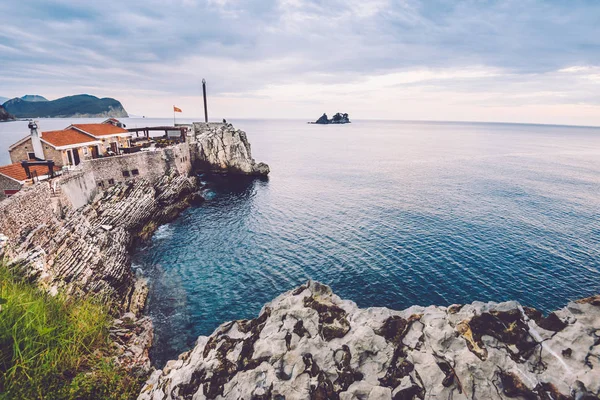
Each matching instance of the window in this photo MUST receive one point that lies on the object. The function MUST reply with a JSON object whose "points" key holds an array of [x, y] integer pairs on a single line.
{"points": [[111, 181], [100, 184], [85, 151], [31, 156], [126, 174], [135, 172]]}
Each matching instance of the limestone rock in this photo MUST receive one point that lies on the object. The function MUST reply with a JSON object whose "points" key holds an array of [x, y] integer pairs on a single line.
{"points": [[131, 339], [79, 256], [222, 148], [310, 344]]}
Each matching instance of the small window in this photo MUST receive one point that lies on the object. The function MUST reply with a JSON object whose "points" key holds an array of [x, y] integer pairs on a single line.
{"points": [[31, 156], [135, 172], [126, 174], [111, 181], [100, 184]]}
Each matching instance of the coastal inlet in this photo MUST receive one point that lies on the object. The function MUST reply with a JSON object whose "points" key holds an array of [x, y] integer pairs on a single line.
{"points": [[388, 214]]}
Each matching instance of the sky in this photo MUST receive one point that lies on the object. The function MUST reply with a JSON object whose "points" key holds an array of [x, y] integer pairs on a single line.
{"points": [[506, 61]]}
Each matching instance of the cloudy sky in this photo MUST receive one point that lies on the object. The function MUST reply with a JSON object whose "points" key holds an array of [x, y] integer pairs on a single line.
{"points": [[513, 61]]}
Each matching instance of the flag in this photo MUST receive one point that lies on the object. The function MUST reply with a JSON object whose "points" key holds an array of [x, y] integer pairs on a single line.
{"points": [[176, 109]]}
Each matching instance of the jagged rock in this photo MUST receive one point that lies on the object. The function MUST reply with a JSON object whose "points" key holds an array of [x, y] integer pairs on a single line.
{"points": [[222, 148], [323, 119], [338, 118], [131, 339], [310, 344], [79, 256]]}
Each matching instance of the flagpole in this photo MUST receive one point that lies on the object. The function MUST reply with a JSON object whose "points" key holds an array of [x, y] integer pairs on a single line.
{"points": [[174, 116]]}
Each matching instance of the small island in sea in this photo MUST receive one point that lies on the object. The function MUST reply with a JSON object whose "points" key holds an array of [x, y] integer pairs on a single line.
{"points": [[338, 118]]}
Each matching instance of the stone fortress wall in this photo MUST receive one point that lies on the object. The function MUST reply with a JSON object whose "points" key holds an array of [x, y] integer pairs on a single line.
{"points": [[27, 209], [76, 189], [217, 144]]}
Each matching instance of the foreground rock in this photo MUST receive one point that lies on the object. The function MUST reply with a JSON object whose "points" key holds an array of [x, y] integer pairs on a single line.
{"points": [[310, 344], [222, 148]]}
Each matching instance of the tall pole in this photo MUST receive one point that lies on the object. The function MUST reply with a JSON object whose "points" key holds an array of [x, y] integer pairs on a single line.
{"points": [[204, 94]]}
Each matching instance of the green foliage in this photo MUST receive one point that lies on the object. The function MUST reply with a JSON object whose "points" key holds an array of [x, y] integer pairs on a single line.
{"points": [[63, 107], [56, 348]]}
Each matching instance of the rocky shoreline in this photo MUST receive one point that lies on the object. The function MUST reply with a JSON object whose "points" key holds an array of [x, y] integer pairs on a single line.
{"points": [[307, 343], [310, 344], [86, 251]]}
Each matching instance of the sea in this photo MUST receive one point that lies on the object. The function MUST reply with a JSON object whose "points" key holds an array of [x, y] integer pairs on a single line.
{"points": [[387, 213]]}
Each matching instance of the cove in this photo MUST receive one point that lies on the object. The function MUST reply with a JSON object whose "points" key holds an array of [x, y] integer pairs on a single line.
{"points": [[388, 214]]}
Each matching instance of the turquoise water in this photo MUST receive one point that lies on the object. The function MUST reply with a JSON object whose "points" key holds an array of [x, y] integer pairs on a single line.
{"points": [[387, 213]]}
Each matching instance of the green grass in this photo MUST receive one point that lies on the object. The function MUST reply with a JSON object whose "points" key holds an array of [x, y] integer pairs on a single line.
{"points": [[56, 348]]}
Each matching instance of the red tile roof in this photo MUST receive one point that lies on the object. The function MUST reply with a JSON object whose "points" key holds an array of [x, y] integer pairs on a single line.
{"points": [[101, 129], [66, 137], [16, 171]]}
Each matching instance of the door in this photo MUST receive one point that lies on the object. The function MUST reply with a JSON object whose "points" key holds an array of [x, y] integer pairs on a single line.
{"points": [[114, 148], [95, 152], [76, 159]]}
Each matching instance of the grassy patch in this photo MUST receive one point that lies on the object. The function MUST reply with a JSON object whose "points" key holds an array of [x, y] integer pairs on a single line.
{"points": [[56, 348]]}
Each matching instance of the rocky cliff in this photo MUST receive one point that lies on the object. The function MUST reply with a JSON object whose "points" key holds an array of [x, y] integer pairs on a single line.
{"points": [[4, 115], [310, 344], [86, 251], [222, 148]]}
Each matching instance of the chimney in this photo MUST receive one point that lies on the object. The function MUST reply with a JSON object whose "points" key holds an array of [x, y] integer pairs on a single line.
{"points": [[36, 142]]}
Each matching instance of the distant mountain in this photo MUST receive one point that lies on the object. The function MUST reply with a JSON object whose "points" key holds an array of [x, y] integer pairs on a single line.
{"points": [[3, 100], [33, 98], [78, 106], [4, 115]]}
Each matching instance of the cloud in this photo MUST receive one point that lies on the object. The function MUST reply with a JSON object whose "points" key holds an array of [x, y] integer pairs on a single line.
{"points": [[467, 55]]}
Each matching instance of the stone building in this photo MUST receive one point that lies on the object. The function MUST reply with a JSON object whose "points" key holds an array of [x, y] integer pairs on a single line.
{"points": [[77, 142], [14, 176]]}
